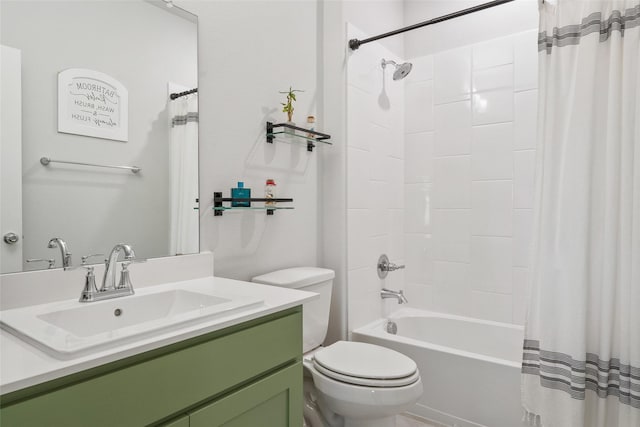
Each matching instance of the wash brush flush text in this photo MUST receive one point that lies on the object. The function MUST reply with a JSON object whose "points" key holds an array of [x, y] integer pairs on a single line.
{"points": [[92, 103]]}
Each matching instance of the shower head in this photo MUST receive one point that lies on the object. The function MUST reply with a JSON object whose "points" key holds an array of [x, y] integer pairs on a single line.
{"points": [[402, 70]]}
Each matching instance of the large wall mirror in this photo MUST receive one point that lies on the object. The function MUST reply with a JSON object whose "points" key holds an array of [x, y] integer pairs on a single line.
{"points": [[87, 84]]}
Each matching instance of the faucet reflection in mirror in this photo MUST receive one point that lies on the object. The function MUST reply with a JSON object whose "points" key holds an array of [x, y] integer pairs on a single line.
{"points": [[57, 242]]}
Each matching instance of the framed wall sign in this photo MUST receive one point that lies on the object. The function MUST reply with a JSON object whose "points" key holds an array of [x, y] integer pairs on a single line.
{"points": [[92, 103]]}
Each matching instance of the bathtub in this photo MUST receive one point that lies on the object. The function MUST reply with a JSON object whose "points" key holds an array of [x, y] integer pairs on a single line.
{"points": [[470, 368]]}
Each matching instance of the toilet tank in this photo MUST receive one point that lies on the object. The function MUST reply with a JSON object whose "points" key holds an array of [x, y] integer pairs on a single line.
{"points": [[315, 314]]}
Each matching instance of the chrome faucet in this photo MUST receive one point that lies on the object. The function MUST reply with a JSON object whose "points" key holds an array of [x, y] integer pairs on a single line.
{"points": [[109, 289], [57, 242], [388, 293], [109, 279]]}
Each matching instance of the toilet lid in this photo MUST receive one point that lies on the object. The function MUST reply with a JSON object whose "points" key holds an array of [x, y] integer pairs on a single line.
{"points": [[366, 364], [367, 382]]}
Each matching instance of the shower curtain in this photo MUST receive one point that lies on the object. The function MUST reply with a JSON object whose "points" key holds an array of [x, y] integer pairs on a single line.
{"points": [[581, 359], [183, 116]]}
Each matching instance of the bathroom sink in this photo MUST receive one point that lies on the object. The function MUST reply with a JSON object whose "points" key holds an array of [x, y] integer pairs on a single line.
{"points": [[70, 328]]}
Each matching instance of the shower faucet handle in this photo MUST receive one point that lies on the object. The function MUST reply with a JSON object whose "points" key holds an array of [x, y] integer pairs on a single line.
{"points": [[385, 266]]}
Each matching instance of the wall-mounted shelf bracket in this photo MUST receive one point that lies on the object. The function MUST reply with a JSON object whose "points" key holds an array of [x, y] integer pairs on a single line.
{"points": [[310, 136], [219, 208]]}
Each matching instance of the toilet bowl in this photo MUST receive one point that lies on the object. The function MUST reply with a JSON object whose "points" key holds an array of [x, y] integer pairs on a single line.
{"points": [[347, 384], [365, 384]]}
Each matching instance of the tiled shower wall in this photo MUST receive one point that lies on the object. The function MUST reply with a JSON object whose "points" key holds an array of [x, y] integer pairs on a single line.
{"points": [[470, 125], [375, 179]]}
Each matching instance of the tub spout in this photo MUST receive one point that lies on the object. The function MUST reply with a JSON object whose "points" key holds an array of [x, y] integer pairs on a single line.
{"points": [[388, 293]]}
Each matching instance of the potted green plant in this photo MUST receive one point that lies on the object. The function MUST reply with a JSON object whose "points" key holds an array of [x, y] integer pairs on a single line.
{"points": [[287, 107]]}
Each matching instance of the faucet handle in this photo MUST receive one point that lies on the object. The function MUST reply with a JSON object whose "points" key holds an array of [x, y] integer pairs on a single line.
{"points": [[393, 267], [125, 280], [52, 262], [90, 289]]}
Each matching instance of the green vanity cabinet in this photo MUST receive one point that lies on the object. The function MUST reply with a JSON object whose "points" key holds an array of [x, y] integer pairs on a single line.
{"points": [[273, 401], [239, 376]]}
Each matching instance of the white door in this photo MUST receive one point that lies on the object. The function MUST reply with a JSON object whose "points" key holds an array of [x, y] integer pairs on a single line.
{"points": [[10, 160]]}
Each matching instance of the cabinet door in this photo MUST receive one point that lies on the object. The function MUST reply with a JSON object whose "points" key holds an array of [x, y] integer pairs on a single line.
{"points": [[274, 401]]}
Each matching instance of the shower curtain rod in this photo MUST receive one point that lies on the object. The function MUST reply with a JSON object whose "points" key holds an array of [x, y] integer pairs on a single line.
{"points": [[355, 43], [186, 92]]}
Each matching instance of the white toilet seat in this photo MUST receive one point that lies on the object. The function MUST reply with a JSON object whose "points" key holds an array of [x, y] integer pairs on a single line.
{"points": [[365, 365], [366, 382]]}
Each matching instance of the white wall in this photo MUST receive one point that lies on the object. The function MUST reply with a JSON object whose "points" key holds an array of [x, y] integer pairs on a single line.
{"points": [[372, 17], [499, 21], [375, 17], [248, 51], [469, 153], [95, 209], [375, 197]]}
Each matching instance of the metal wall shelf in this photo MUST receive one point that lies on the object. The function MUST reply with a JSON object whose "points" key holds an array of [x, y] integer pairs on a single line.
{"points": [[219, 208], [310, 140]]}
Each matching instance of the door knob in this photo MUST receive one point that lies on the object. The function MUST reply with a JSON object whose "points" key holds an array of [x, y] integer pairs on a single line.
{"points": [[11, 238]]}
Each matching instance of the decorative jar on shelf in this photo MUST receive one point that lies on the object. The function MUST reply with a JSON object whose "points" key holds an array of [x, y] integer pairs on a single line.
{"points": [[270, 193]]}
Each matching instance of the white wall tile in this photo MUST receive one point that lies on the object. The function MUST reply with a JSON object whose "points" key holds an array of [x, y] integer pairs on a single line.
{"points": [[453, 301], [522, 234], [525, 119], [451, 274], [419, 295], [394, 196], [379, 245], [422, 69], [478, 155], [492, 208], [419, 258], [524, 170], [358, 184], [396, 232], [493, 53], [453, 75], [396, 173], [452, 235], [359, 127], [381, 141], [494, 78], [375, 174], [492, 306], [491, 264], [452, 182], [380, 219], [417, 208], [364, 297], [396, 148], [358, 247], [521, 277], [492, 107], [492, 152], [453, 129], [418, 165], [526, 60], [418, 107], [362, 68]]}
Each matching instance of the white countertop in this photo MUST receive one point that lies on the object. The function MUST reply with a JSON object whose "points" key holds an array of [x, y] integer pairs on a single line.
{"points": [[23, 365]]}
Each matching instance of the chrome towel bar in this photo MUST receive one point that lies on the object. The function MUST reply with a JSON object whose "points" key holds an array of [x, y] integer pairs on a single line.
{"points": [[46, 160]]}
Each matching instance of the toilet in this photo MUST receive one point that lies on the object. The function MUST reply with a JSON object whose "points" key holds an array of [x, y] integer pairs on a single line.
{"points": [[347, 384]]}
